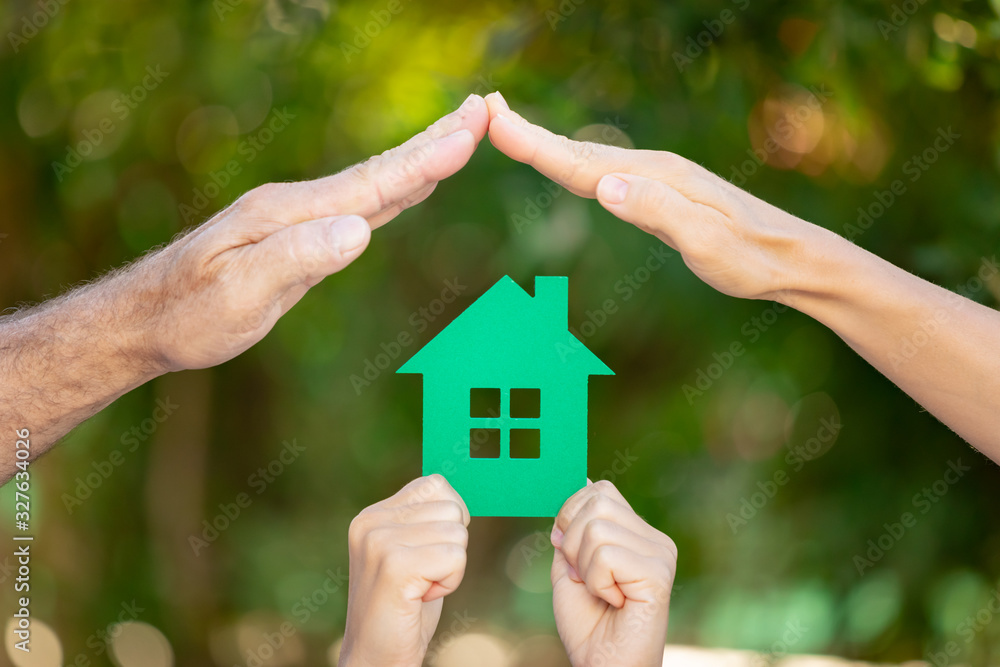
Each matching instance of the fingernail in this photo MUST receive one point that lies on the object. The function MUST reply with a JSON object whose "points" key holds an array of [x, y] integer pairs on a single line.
{"points": [[501, 99], [349, 233], [469, 101], [556, 537], [612, 189]]}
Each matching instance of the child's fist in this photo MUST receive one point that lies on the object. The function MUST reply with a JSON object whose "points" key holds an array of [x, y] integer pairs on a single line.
{"points": [[407, 553], [611, 578]]}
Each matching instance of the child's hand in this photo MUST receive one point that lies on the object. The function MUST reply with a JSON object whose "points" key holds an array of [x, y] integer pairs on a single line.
{"points": [[407, 553], [611, 579]]}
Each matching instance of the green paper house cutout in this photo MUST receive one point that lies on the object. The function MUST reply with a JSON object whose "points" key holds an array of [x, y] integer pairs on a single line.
{"points": [[505, 401]]}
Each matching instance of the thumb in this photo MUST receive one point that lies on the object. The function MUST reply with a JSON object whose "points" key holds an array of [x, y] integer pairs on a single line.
{"points": [[307, 252], [650, 205], [561, 569]]}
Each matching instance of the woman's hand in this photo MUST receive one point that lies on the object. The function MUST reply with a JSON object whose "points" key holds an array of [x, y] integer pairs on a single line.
{"points": [[736, 243]]}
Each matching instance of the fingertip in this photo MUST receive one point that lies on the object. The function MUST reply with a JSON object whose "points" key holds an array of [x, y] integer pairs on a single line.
{"points": [[508, 136], [470, 103], [496, 103], [441, 482], [349, 234], [614, 597], [466, 516], [612, 190], [475, 116], [556, 537], [435, 592]]}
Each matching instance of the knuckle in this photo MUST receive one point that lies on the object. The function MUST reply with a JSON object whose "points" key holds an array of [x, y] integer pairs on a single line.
{"points": [[457, 534], [602, 556], [456, 555], [672, 163], [365, 171], [376, 542], [602, 505], [652, 197], [357, 531], [671, 547], [598, 531], [582, 151], [262, 195], [604, 486], [454, 512], [312, 257], [434, 487]]}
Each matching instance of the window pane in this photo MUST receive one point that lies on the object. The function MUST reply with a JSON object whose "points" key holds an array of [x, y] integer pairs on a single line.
{"points": [[525, 443], [484, 443], [525, 403], [484, 402]]}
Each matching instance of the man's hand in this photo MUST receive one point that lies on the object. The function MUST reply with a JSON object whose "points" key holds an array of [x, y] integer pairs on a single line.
{"points": [[219, 290], [407, 554], [611, 578], [747, 248], [213, 293]]}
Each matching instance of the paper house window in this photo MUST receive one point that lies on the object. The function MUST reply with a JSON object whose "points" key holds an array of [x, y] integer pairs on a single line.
{"points": [[501, 419], [525, 403], [484, 443], [525, 443], [484, 402]]}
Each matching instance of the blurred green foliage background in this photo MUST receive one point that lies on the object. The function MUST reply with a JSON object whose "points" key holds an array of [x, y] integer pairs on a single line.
{"points": [[864, 86]]}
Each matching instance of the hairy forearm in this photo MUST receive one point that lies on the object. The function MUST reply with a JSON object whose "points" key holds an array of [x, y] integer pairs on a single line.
{"points": [[65, 360], [937, 346]]}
